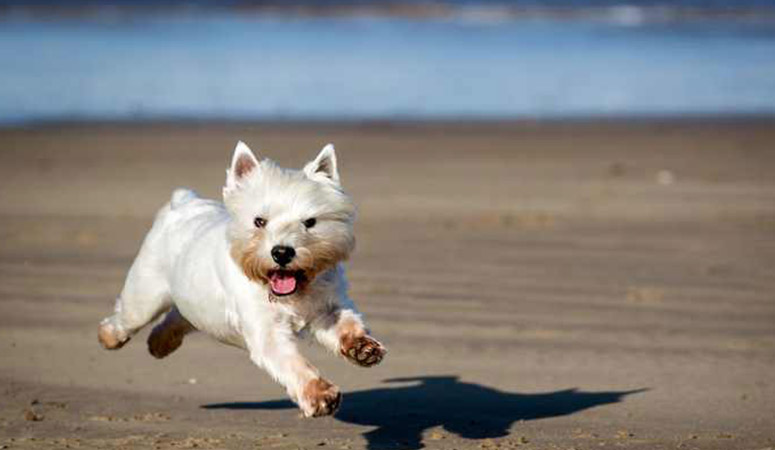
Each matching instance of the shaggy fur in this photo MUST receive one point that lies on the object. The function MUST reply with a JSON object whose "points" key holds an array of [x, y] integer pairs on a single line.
{"points": [[256, 271]]}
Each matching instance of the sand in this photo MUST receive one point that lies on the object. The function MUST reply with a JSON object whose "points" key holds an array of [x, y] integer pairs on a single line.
{"points": [[539, 285]]}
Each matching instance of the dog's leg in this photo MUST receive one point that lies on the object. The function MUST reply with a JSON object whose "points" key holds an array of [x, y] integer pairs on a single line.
{"points": [[167, 336], [131, 314], [144, 297], [343, 331], [274, 349]]}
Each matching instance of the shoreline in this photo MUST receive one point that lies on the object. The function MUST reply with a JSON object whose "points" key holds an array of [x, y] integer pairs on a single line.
{"points": [[517, 122]]}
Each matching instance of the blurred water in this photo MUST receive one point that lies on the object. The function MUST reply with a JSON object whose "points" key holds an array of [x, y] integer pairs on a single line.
{"points": [[281, 67]]}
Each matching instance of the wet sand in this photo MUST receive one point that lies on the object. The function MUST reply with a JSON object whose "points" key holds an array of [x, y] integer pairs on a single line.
{"points": [[539, 285]]}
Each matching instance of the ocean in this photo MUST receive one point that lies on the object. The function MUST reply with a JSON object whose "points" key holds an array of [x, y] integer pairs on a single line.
{"points": [[474, 60]]}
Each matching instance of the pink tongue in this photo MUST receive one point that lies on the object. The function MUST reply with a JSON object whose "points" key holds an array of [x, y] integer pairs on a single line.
{"points": [[283, 284]]}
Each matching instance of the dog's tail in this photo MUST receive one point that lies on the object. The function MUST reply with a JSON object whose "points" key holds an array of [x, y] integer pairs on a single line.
{"points": [[182, 196]]}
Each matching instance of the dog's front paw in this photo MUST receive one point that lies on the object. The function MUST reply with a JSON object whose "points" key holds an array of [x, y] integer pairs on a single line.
{"points": [[320, 398], [364, 351]]}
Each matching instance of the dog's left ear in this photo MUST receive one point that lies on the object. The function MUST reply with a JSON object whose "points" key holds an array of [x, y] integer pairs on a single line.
{"points": [[323, 167], [243, 162]]}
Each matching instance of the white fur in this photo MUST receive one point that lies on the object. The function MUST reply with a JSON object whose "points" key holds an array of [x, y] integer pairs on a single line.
{"points": [[186, 263]]}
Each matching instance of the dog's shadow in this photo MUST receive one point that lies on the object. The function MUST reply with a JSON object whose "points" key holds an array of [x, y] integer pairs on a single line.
{"points": [[401, 414]]}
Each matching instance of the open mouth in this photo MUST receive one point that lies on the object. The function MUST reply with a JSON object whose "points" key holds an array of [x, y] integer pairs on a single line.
{"points": [[284, 282]]}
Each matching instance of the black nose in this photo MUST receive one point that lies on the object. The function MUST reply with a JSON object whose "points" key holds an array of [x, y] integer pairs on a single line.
{"points": [[282, 255]]}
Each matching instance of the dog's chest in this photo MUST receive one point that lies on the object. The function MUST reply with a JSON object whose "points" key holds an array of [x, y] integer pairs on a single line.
{"points": [[298, 315]]}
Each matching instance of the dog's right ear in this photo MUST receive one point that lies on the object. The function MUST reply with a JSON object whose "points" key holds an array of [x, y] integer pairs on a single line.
{"points": [[243, 162]]}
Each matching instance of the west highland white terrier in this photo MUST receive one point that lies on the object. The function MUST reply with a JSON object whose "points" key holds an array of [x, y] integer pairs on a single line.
{"points": [[256, 271]]}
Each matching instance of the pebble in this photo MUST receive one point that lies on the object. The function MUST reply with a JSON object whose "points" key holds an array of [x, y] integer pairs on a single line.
{"points": [[32, 416], [665, 177]]}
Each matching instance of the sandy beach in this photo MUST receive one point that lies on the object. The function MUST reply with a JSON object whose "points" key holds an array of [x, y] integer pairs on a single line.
{"points": [[541, 285]]}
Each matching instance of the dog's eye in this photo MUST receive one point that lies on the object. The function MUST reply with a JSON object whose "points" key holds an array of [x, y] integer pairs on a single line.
{"points": [[309, 223], [259, 222]]}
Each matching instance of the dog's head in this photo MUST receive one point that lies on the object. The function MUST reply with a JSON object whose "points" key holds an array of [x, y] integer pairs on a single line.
{"points": [[288, 226]]}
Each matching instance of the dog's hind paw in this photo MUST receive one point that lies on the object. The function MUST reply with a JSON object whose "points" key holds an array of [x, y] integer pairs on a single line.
{"points": [[110, 337], [320, 398], [364, 351], [161, 344], [167, 336]]}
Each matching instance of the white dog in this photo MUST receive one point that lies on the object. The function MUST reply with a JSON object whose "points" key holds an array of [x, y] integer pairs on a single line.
{"points": [[256, 272]]}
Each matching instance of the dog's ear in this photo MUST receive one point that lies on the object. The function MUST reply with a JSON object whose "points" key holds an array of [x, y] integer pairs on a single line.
{"points": [[243, 162], [323, 167]]}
